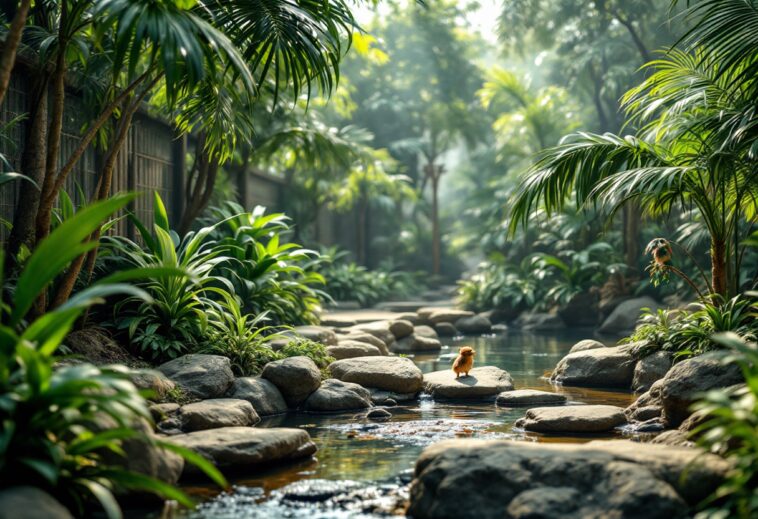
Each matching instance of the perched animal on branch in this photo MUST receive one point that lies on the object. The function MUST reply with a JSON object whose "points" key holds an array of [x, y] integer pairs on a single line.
{"points": [[660, 249], [464, 362]]}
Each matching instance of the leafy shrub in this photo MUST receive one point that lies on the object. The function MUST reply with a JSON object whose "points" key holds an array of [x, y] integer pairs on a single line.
{"points": [[50, 437], [730, 429], [498, 285], [689, 333], [315, 351]]}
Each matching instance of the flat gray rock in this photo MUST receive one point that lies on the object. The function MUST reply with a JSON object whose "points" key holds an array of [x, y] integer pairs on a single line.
{"points": [[320, 334], [201, 376], [379, 329], [529, 397], [216, 413], [348, 349], [482, 382], [397, 374], [573, 419], [366, 338], [448, 315], [335, 396], [423, 330], [264, 396], [246, 447]]}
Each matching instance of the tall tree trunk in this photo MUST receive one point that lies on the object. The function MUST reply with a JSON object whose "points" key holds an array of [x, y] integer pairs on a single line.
{"points": [[199, 188], [718, 267], [631, 235], [33, 166], [10, 46]]}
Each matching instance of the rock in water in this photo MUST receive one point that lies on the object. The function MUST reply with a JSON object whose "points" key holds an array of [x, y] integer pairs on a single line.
{"points": [[599, 367], [295, 377], [379, 415], [201, 376], [482, 382], [246, 447], [396, 374], [572, 419], [618, 479], [445, 330], [413, 343], [529, 397], [217, 412], [348, 349], [401, 328], [335, 395], [650, 369], [264, 396], [586, 344], [474, 324]]}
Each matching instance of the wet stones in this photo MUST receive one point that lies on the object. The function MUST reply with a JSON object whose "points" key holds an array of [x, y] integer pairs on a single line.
{"points": [[335, 396], [264, 396], [295, 377], [396, 374], [529, 397], [482, 382], [201, 376], [572, 419], [348, 349], [413, 343], [215, 413], [599, 367]]}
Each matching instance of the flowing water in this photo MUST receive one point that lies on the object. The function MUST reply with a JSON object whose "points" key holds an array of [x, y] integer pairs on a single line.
{"points": [[362, 468]]}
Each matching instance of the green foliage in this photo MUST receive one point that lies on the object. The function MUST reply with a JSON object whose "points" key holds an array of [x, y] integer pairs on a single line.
{"points": [[315, 351], [730, 429], [688, 333], [499, 285], [59, 422]]}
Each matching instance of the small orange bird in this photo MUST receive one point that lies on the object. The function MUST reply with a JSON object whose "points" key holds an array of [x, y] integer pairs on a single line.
{"points": [[464, 362]]}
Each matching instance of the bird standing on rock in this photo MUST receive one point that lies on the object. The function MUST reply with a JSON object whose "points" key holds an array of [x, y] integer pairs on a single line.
{"points": [[464, 362]]}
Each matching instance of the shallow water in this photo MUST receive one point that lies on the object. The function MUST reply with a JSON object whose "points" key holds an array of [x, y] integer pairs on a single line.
{"points": [[361, 467]]}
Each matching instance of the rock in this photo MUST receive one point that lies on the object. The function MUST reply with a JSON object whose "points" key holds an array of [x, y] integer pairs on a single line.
{"points": [[397, 374], [581, 310], [499, 328], [335, 395], [425, 331], [599, 367], [675, 438], [474, 324], [216, 413], [322, 334], [338, 322], [653, 425], [389, 398], [482, 382], [264, 396], [572, 419], [411, 317], [401, 328], [688, 379], [295, 377], [649, 399], [609, 479], [162, 411], [153, 381], [379, 329], [379, 415], [201, 376], [26, 502], [539, 321], [624, 317], [246, 447], [448, 315], [366, 338], [347, 349], [643, 414], [529, 397], [649, 369], [586, 344], [445, 330], [414, 343]]}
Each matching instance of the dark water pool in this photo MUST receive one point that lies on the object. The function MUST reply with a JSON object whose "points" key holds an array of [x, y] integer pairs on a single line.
{"points": [[361, 468]]}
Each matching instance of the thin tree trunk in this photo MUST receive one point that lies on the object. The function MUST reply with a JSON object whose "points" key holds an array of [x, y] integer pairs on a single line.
{"points": [[632, 217], [718, 266], [33, 166], [10, 46], [199, 192]]}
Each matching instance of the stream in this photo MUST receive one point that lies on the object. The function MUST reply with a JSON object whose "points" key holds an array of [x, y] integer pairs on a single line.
{"points": [[362, 469]]}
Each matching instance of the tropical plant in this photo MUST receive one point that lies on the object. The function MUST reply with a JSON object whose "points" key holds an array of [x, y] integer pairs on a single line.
{"points": [[730, 428], [501, 285], [50, 415], [317, 352], [175, 318]]}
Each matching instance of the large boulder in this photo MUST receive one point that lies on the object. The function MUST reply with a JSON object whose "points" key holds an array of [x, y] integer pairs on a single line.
{"points": [[153, 381], [473, 324], [414, 343], [348, 349], [482, 382], [572, 419], [448, 315], [264, 396], [445, 330], [396, 374], [201, 376], [599, 367], [688, 379], [625, 316], [539, 321], [335, 395], [217, 412], [529, 397], [295, 377], [401, 328], [581, 309], [586, 344], [246, 447], [519, 480], [426, 331], [320, 334], [649, 369], [26, 502]]}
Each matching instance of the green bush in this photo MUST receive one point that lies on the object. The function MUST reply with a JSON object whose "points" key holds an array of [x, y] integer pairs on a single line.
{"points": [[730, 429], [50, 437], [496, 285], [689, 333], [315, 351]]}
